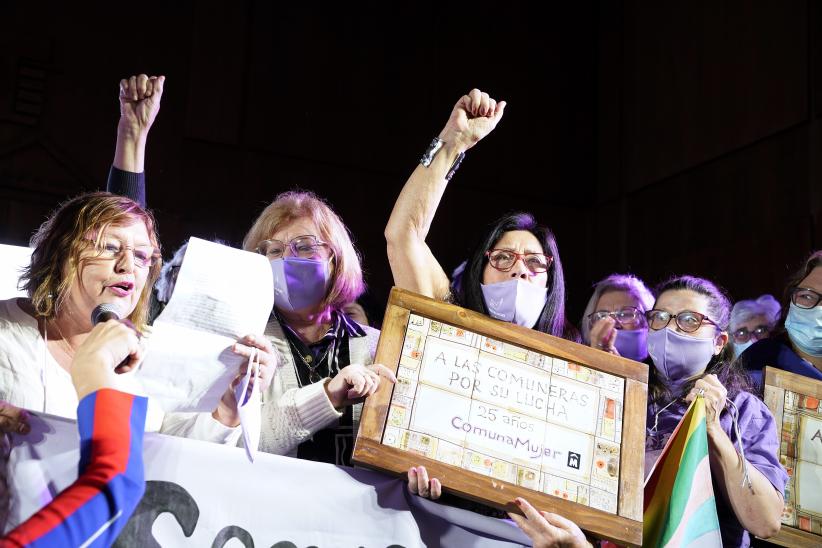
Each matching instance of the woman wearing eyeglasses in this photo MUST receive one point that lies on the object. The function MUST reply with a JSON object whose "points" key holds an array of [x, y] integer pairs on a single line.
{"points": [[753, 320], [328, 359], [687, 342], [798, 347], [614, 320], [688, 346], [96, 248], [514, 274]]}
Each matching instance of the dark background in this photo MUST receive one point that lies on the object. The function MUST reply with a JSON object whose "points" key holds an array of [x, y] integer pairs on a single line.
{"points": [[655, 138]]}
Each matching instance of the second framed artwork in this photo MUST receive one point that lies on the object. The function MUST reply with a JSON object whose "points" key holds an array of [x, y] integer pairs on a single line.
{"points": [[497, 411], [796, 404]]}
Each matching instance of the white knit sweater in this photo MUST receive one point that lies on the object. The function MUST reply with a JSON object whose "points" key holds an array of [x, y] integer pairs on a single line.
{"points": [[290, 414]]}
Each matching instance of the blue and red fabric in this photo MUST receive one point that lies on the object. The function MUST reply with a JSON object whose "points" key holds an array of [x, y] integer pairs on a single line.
{"points": [[94, 509]]}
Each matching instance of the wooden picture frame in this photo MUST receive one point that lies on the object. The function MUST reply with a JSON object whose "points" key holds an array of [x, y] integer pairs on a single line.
{"points": [[790, 397], [550, 356]]}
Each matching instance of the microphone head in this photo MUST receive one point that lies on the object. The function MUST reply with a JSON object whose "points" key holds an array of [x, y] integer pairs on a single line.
{"points": [[104, 312]]}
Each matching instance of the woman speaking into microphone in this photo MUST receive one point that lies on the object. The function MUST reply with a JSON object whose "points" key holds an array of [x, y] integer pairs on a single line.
{"points": [[95, 249]]}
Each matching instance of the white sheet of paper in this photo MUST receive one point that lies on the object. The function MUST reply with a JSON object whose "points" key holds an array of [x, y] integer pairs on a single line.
{"points": [[12, 261], [221, 294]]}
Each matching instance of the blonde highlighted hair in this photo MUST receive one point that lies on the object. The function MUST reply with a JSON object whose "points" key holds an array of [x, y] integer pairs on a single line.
{"points": [[346, 280], [56, 259]]}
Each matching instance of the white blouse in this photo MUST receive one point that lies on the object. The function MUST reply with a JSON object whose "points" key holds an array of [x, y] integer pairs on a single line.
{"points": [[32, 379]]}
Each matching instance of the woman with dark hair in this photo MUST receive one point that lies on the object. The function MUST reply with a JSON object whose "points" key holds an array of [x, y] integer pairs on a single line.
{"points": [[798, 347], [688, 344], [514, 274], [494, 263], [672, 376]]}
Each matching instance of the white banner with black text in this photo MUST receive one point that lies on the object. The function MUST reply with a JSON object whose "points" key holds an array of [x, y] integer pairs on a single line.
{"points": [[201, 494]]}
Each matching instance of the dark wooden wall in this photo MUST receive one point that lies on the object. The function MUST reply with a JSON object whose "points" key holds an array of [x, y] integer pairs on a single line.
{"points": [[708, 144], [652, 138]]}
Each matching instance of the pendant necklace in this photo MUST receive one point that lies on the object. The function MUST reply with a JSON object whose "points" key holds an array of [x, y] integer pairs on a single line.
{"points": [[310, 363]]}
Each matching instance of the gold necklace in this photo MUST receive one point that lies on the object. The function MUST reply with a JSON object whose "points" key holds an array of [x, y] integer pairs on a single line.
{"points": [[67, 348]]}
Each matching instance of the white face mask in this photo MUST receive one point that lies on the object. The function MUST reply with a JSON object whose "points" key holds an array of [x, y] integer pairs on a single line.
{"points": [[515, 301]]}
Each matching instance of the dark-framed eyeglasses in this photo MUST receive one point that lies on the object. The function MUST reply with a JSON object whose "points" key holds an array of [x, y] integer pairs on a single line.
{"points": [[628, 317], [505, 259], [742, 335], [804, 297], [687, 320], [113, 249], [304, 247]]}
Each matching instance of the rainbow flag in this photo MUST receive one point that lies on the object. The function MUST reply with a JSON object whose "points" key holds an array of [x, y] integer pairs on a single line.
{"points": [[680, 508]]}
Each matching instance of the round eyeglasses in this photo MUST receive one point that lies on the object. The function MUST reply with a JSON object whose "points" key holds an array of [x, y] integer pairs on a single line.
{"points": [[304, 247], [628, 317], [687, 320], [804, 297], [505, 259], [742, 335]]}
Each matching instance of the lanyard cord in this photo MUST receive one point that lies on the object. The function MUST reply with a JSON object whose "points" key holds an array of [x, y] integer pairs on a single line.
{"points": [[43, 375], [734, 412], [746, 479], [656, 415]]}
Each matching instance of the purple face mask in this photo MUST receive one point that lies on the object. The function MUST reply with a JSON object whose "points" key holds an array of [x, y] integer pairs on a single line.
{"points": [[632, 343], [299, 283], [679, 358], [515, 301]]}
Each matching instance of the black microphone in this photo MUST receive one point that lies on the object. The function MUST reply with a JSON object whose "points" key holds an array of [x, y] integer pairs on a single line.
{"points": [[105, 312], [110, 311]]}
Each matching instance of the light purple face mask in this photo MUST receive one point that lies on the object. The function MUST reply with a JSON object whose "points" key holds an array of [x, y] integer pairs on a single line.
{"points": [[299, 283], [679, 358], [515, 301], [632, 343]]}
